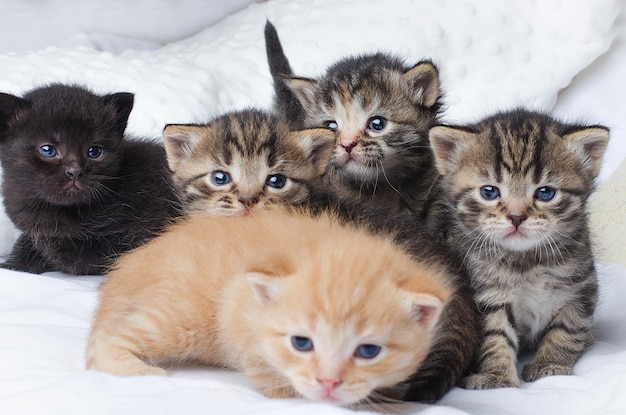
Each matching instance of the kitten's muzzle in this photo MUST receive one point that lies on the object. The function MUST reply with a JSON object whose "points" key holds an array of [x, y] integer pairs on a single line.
{"points": [[248, 201]]}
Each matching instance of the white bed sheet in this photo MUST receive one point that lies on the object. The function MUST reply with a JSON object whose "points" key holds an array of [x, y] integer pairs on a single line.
{"points": [[45, 319]]}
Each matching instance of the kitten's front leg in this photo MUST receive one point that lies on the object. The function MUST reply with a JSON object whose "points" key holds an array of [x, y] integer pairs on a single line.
{"points": [[564, 341], [269, 382], [497, 365], [451, 356], [24, 257]]}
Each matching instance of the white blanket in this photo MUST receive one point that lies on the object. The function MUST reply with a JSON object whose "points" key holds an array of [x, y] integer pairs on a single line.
{"points": [[492, 55]]}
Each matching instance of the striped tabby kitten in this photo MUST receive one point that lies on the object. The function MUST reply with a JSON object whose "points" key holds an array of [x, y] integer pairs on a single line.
{"points": [[516, 185], [244, 160], [305, 306], [380, 109]]}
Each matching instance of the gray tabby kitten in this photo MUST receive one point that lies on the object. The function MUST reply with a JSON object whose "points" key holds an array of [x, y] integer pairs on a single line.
{"points": [[245, 160], [381, 110], [516, 187]]}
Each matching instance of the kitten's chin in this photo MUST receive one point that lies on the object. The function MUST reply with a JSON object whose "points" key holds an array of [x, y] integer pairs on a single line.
{"points": [[69, 198], [357, 172], [518, 243], [334, 397]]}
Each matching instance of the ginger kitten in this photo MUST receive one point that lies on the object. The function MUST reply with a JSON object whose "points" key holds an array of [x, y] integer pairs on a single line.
{"points": [[304, 305], [244, 160], [514, 191], [381, 110]]}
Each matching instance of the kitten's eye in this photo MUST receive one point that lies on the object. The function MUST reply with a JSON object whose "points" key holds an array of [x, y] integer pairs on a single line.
{"points": [[367, 351], [331, 125], [95, 152], [490, 192], [277, 181], [302, 344], [377, 123], [48, 151], [220, 178], [545, 194]]}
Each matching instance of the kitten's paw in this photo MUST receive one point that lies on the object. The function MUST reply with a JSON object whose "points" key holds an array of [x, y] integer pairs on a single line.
{"points": [[279, 392], [534, 371], [426, 390], [488, 381]]}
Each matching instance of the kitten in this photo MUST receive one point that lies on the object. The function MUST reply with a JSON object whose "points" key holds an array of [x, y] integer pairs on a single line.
{"points": [[381, 110], [306, 306], [77, 189], [516, 186], [244, 160]]}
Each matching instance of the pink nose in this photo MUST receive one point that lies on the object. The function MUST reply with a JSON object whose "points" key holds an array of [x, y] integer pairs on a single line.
{"points": [[329, 384], [348, 144]]}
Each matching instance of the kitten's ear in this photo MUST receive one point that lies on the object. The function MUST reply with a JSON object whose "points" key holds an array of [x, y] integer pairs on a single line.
{"points": [[317, 145], [11, 107], [264, 286], [589, 144], [425, 309], [448, 144], [423, 81], [122, 103], [180, 140], [303, 89]]}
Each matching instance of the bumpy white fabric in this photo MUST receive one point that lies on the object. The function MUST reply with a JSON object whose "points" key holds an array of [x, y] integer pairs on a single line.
{"points": [[492, 54]]}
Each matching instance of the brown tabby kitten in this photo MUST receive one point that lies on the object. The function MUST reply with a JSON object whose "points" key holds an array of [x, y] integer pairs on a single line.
{"points": [[516, 187], [303, 304], [381, 110], [244, 160]]}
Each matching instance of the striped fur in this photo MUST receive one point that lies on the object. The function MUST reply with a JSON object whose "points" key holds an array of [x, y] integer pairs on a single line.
{"points": [[265, 163], [527, 249], [381, 110]]}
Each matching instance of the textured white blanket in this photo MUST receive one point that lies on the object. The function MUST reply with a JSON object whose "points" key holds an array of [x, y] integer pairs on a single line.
{"points": [[492, 55]]}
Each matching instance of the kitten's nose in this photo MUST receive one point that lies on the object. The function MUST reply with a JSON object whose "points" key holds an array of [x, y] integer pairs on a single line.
{"points": [[348, 145], [74, 172], [248, 200], [329, 384], [517, 220]]}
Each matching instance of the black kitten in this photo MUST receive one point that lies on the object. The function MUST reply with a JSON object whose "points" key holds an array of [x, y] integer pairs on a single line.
{"points": [[77, 189]]}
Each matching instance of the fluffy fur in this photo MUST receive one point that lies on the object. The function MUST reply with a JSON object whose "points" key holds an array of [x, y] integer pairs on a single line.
{"points": [[381, 110], [515, 189], [304, 305], [77, 189], [245, 160]]}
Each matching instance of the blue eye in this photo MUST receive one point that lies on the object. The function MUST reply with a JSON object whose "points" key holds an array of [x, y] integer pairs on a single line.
{"points": [[95, 152], [490, 192], [48, 151], [545, 194], [302, 344], [277, 181], [367, 351], [377, 123], [332, 125], [220, 178]]}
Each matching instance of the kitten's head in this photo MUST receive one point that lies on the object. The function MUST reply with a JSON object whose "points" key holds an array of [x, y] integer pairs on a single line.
{"points": [[339, 326], [381, 111], [245, 160], [61, 143], [519, 180]]}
